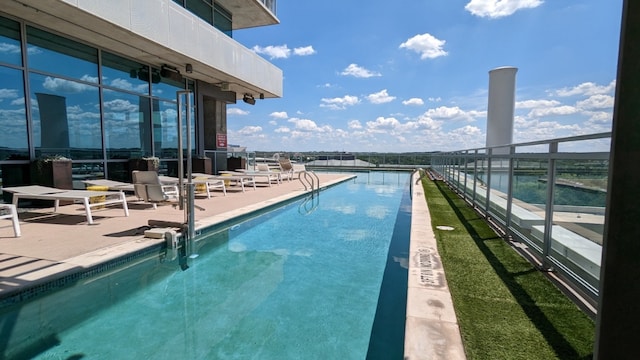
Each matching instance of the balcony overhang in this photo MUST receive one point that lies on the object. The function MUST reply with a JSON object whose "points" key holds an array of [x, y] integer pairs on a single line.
{"points": [[157, 32], [250, 13]]}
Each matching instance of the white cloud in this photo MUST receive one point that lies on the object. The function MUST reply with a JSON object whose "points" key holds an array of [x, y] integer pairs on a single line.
{"points": [[553, 111], [340, 103], [279, 115], [282, 129], [413, 102], [283, 51], [8, 94], [354, 124], [596, 102], [438, 99], [531, 104], [380, 97], [499, 8], [250, 130], [273, 122], [273, 52], [304, 51], [357, 71], [9, 48], [453, 113], [426, 45], [236, 111], [61, 85], [587, 89], [309, 125]]}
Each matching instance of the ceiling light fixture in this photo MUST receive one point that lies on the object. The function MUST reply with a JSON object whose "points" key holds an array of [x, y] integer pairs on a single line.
{"points": [[248, 98]]}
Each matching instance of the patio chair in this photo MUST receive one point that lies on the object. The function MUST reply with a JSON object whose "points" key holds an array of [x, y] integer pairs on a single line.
{"points": [[11, 213], [289, 169], [149, 189], [207, 184]]}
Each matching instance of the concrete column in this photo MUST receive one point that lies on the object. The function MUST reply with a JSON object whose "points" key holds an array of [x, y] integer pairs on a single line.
{"points": [[502, 93], [618, 321]]}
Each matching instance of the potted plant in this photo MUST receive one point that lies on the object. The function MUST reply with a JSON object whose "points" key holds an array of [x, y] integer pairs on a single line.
{"points": [[52, 170], [201, 164]]}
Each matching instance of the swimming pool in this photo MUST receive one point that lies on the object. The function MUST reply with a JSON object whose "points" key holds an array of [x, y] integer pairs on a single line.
{"points": [[292, 283]]}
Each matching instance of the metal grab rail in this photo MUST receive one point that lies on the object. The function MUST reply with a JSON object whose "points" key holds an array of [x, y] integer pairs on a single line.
{"points": [[313, 184]]}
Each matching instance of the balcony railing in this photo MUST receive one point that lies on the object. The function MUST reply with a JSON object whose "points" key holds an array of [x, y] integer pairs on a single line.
{"points": [[548, 195]]}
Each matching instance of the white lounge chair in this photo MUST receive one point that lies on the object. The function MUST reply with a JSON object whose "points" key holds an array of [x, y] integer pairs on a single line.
{"points": [[47, 193], [289, 169], [148, 188], [11, 213], [204, 181], [240, 179]]}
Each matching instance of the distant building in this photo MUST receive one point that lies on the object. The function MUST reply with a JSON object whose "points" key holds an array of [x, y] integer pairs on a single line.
{"points": [[96, 81]]}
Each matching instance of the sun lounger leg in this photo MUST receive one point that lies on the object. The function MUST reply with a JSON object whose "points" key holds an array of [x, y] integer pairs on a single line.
{"points": [[87, 209], [124, 203]]}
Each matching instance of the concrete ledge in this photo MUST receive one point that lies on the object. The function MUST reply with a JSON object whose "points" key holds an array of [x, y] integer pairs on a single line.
{"points": [[431, 330]]}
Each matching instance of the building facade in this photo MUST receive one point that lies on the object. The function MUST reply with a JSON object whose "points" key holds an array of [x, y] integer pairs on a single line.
{"points": [[97, 81]]}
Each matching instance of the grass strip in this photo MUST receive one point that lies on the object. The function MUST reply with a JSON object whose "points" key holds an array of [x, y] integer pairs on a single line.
{"points": [[506, 308]]}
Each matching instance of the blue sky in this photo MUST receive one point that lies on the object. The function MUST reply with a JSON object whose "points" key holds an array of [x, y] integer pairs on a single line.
{"points": [[407, 76]]}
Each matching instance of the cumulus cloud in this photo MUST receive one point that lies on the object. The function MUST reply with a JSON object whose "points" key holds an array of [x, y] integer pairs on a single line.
{"points": [[236, 111], [8, 94], [7, 48], [66, 86], [587, 89], [499, 8], [279, 115], [283, 51], [428, 46], [304, 51], [250, 130], [380, 97], [354, 125], [553, 111], [282, 129], [357, 71], [437, 99], [340, 103], [596, 102], [308, 125], [531, 104], [453, 113], [413, 102]]}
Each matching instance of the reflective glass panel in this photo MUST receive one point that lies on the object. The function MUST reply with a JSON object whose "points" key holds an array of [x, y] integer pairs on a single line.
{"points": [[124, 74], [127, 123], [13, 119], [55, 54], [10, 51], [165, 129], [163, 87], [66, 118]]}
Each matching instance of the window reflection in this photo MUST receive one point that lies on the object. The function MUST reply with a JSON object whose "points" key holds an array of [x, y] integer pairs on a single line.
{"points": [[55, 54], [66, 118], [127, 122], [165, 129], [166, 88], [10, 42], [13, 119], [124, 74]]}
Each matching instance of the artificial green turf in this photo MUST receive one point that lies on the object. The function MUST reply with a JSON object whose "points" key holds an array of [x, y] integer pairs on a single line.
{"points": [[506, 309]]}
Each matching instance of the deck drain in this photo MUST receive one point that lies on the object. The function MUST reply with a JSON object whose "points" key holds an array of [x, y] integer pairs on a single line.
{"points": [[444, 227]]}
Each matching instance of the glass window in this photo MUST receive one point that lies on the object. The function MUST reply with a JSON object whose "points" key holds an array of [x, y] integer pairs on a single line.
{"points": [[164, 87], [165, 129], [127, 123], [13, 117], [201, 8], [222, 20], [55, 54], [124, 74], [10, 42], [66, 118]]}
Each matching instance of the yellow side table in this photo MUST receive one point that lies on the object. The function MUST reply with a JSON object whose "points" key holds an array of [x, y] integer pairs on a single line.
{"points": [[97, 199]]}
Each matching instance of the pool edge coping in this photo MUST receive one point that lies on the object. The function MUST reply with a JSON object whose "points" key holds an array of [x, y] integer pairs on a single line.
{"points": [[431, 326]]}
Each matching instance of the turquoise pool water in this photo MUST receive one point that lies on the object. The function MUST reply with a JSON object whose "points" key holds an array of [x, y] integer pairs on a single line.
{"points": [[289, 284]]}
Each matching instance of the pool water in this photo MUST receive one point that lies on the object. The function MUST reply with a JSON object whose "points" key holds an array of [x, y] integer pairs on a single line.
{"points": [[294, 283]]}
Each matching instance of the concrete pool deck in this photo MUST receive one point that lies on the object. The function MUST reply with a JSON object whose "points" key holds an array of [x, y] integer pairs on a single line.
{"points": [[56, 244]]}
